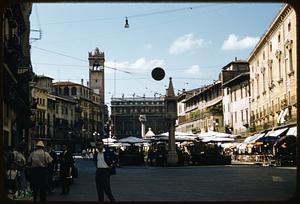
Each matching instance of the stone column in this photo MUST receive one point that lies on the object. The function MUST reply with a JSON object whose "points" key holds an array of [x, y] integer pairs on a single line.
{"points": [[143, 120], [171, 116]]}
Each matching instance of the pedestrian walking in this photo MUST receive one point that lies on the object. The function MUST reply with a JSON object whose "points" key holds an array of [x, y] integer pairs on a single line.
{"points": [[39, 160], [104, 161], [66, 164]]}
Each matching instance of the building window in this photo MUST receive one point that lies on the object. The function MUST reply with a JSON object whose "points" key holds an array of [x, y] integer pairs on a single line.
{"points": [[263, 55], [257, 86], [279, 68], [241, 88], [291, 61], [234, 95], [278, 38], [270, 72], [289, 26], [66, 91], [270, 46], [73, 90], [246, 114], [242, 115], [235, 116], [264, 84]]}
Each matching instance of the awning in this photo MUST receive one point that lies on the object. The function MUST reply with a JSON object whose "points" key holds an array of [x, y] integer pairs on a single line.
{"points": [[276, 133], [292, 131], [256, 137]]}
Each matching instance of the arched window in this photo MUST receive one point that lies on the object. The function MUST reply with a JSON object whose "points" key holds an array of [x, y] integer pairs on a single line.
{"points": [[73, 90], [66, 91], [59, 90]]}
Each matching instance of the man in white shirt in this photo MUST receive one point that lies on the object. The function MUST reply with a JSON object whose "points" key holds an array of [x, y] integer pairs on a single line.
{"points": [[104, 164]]}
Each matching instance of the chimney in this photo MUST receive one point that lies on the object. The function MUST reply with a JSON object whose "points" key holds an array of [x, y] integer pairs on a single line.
{"points": [[235, 58], [81, 81]]}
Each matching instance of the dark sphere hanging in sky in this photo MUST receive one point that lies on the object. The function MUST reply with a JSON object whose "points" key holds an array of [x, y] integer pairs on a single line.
{"points": [[158, 73]]}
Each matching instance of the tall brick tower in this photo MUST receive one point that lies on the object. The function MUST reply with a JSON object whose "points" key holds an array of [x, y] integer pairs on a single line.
{"points": [[96, 72]]}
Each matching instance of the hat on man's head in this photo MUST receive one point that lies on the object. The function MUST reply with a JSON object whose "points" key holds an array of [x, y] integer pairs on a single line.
{"points": [[40, 144]]}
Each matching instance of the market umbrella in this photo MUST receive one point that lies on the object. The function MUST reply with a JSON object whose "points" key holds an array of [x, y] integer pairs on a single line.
{"points": [[109, 140], [215, 134], [217, 139], [131, 140]]}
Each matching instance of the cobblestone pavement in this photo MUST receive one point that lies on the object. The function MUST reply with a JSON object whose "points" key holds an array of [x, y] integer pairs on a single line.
{"points": [[188, 183]]}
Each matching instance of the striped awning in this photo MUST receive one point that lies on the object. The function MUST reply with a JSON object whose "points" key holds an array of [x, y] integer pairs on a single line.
{"points": [[292, 131], [276, 133]]}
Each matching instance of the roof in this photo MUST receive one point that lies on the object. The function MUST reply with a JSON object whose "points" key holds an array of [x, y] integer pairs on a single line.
{"points": [[204, 89], [68, 83], [240, 61], [237, 79], [127, 99], [42, 76], [276, 20]]}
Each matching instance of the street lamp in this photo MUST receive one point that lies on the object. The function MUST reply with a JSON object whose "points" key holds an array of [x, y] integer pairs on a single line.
{"points": [[126, 23]]}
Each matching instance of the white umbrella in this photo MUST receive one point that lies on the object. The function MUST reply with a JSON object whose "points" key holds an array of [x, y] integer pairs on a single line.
{"points": [[131, 140], [109, 140], [217, 139], [215, 134]]}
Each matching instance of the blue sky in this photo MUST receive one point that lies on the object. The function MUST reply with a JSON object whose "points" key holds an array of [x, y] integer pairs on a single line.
{"points": [[191, 41]]}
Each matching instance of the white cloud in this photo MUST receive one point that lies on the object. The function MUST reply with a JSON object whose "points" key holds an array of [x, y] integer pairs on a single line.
{"points": [[234, 43], [140, 65], [194, 69], [185, 43]]}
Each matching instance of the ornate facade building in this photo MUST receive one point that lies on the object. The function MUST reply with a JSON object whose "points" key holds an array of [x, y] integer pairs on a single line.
{"points": [[273, 74], [17, 73], [125, 114]]}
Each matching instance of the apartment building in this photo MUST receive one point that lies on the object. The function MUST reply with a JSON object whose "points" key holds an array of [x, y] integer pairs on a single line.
{"points": [[203, 110], [236, 96], [89, 106], [273, 74]]}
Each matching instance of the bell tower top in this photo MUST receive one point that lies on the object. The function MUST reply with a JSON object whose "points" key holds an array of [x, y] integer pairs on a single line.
{"points": [[96, 59]]}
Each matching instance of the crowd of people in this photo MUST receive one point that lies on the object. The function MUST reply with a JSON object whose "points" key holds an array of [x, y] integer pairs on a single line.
{"points": [[30, 174]]}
